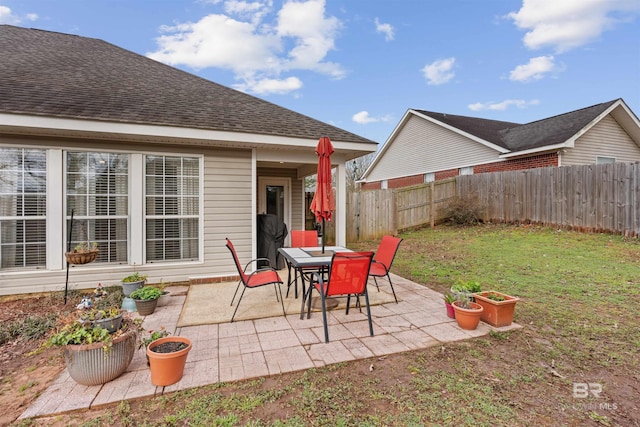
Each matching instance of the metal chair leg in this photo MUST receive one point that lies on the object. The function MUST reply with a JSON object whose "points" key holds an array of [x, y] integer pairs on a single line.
{"points": [[237, 305]]}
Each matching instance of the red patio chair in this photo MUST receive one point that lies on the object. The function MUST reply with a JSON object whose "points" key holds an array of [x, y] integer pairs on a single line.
{"points": [[383, 259], [300, 239], [261, 277], [347, 276]]}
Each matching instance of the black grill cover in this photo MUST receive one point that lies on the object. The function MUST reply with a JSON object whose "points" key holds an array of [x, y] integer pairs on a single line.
{"points": [[271, 234]]}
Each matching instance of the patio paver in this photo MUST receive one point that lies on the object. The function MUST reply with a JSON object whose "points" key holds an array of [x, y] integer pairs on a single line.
{"points": [[261, 347]]}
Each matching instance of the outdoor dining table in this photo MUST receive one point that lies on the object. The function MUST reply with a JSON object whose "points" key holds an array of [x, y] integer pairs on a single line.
{"points": [[310, 258]]}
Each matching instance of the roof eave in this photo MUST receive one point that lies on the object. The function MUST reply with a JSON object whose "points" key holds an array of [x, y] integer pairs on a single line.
{"points": [[538, 150], [146, 133]]}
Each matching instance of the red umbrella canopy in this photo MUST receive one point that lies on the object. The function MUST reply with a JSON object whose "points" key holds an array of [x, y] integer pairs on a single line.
{"points": [[323, 203]]}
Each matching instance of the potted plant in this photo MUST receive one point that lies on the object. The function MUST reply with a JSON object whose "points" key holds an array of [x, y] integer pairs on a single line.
{"points": [[467, 313], [146, 299], [83, 253], [132, 282], [94, 356], [166, 295], [167, 357], [462, 289], [109, 319], [449, 299], [498, 307]]}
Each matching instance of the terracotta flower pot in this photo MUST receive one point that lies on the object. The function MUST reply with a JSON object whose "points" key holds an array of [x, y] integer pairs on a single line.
{"points": [[167, 368], [468, 318], [146, 307], [496, 313], [90, 365]]}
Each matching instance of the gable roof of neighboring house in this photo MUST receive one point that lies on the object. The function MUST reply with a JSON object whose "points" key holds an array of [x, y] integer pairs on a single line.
{"points": [[57, 75], [514, 139]]}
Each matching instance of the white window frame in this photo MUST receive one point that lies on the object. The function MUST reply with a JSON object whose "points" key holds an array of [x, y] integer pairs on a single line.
{"points": [[28, 218], [467, 170], [199, 215], [604, 160], [80, 217], [429, 177]]}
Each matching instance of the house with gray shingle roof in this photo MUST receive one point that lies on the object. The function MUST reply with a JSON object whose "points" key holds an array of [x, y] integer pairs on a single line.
{"points": [[157, 165], [426, 146]]}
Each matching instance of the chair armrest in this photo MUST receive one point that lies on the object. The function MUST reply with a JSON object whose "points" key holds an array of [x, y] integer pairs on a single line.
{"points": [[259, 259]]}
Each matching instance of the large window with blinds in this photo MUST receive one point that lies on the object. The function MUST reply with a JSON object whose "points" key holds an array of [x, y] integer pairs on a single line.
{"points": [[23, 206], [172, 208], [97, 196]]}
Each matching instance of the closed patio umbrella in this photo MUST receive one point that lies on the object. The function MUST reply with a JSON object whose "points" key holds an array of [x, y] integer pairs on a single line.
{"points": [[323, 203]]}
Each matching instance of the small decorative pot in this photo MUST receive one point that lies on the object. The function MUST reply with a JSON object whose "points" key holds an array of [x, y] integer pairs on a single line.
{"points": [[167, 368], [164, 299], [146, 307], [468, 318], [450, 311], [111, 324], [90, 365], [128, 287]]}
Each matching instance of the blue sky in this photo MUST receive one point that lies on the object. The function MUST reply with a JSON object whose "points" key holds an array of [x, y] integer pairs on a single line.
{"points": [[360, 64]]}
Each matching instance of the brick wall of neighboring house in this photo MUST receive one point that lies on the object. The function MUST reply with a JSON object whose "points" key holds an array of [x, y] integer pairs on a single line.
{"points": [[532, 162], [449, 173]]}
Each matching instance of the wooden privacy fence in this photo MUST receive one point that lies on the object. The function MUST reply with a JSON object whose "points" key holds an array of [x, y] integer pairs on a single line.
{"points": [[601, 198], [372, 214], [590, 197]]}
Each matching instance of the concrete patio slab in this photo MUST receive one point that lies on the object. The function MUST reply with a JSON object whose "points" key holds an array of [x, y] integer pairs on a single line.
{"points": [[255, 348]]}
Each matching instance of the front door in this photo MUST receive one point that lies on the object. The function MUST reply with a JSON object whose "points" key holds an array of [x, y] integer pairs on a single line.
{"points": [[274, 198]]}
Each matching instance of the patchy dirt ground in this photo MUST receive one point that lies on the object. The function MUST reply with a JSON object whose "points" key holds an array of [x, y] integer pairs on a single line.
{"points": [[23, 376]]}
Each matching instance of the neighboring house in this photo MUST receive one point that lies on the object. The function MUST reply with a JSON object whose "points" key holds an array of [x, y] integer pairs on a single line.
{"points": [[157, 165], [427, 146]]}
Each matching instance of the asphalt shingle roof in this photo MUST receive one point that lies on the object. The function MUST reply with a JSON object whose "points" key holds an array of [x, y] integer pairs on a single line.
{"points": [[520, 137], [61, 75]]}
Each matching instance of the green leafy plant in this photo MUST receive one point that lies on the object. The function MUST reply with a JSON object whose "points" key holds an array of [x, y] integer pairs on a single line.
{"points": [[153, 335], [98, 314], [135, 277], [469, 286], [77, 333], [449, 298], [464, 302], [495, 296], [85, 247], [146, 293]]}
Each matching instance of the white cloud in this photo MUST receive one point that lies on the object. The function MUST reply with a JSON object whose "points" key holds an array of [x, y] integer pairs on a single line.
{"points": [[439, 71], [386, 29], [364, 118], [8, 17], [533, 70], [501, 106], [565, 25], [297, 37], [266, 86]]}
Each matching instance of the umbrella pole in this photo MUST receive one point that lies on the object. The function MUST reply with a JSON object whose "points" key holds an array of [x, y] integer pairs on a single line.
{"points": [[322, 234]]}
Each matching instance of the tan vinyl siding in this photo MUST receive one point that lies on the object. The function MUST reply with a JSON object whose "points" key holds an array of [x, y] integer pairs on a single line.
{"points": [[422, 146], [226, 207], [606, 139]]}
